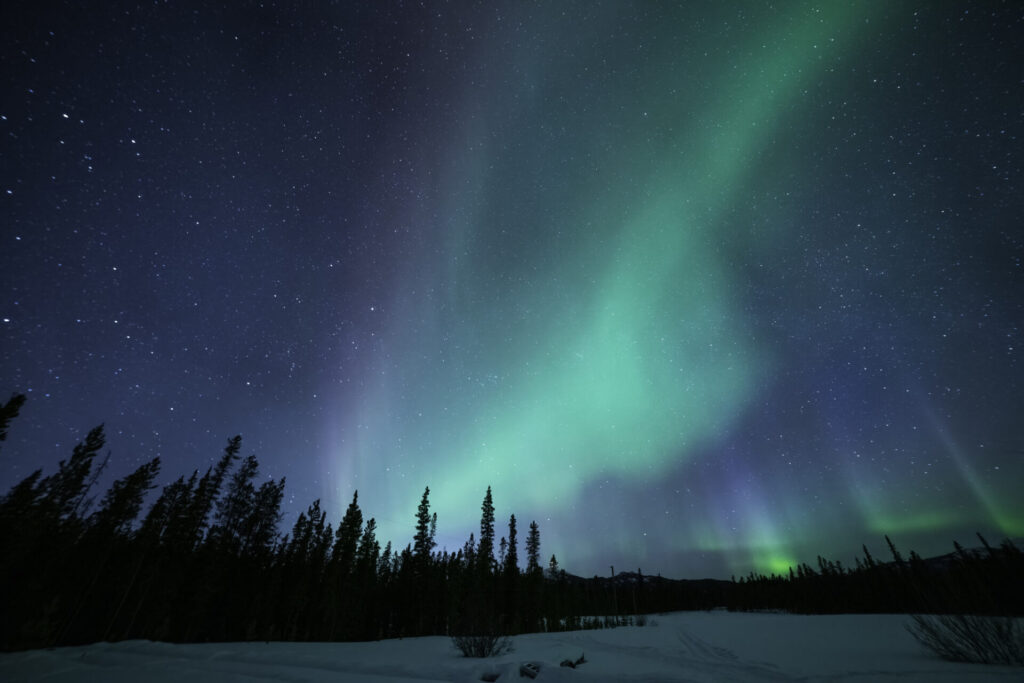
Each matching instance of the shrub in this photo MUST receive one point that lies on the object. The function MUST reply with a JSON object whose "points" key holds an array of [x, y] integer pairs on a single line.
{"points": [[490, 645], [971, 638]]}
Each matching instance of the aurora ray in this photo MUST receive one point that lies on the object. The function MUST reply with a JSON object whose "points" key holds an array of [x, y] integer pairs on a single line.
{"points": [[624, 349]]}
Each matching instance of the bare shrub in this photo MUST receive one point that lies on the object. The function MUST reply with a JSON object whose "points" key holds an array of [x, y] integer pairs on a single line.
{"points": [[971, 638], [488, 645]]}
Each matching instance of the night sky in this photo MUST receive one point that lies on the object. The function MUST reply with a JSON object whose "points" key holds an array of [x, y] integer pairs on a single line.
{"points": [[700, 287]]}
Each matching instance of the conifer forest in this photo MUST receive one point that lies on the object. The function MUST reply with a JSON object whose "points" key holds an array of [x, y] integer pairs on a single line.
{"points": [[204, 558]]}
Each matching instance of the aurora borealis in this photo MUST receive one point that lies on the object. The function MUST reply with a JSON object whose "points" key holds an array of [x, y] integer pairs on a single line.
{"points": [[700, 287]]}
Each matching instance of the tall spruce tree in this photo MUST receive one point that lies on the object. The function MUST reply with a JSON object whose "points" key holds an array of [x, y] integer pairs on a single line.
{"points": [[512, 555], [347, 538], [236, 505], [167, 516], [485, 550], [67, 488], [261, 526], [208, 490], [423, 541], [368, 553], [533, 549], [534, 584]]}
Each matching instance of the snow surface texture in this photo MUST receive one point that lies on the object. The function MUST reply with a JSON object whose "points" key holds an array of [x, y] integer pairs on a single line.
{"points": [[686, 646]]}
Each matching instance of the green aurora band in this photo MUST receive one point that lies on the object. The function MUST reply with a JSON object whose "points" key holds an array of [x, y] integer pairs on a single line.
{"points": [[578, 323]]}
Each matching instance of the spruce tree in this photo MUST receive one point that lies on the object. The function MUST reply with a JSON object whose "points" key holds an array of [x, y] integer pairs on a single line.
{"points": [[208, 490], [166, 516], [85, 502], [66, 490], [260, 529], [347, 538], [321, 537], [534, 583], [512, 557], [533, 549], [423, 541], [368, 553], [485, 551], [236, 505]]}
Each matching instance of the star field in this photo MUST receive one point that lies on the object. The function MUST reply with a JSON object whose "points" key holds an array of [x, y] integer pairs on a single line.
{"points": [[703, 288]]}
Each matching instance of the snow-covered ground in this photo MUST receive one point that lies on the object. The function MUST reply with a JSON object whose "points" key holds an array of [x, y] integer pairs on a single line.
{"points": [[686, 646]]}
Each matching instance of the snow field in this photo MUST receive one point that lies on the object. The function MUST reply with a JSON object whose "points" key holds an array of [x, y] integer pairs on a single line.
{"points": [[684, 646]]}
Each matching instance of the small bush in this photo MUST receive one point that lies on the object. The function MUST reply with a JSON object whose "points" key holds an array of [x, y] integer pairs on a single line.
{"points": [[971, 638], [482, 645], [641, 620]]}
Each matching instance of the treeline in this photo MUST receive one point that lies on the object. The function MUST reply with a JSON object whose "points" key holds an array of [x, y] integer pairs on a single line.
{"points": [[207, 562], [981, 582]]}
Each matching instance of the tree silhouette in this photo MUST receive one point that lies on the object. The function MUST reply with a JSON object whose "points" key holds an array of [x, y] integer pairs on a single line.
{"points": [[235, 506], [512, 557], [423, 542], [347, 539], [123, 501], [485, 550], [65, 491], [81, 578], [533, 549]]}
